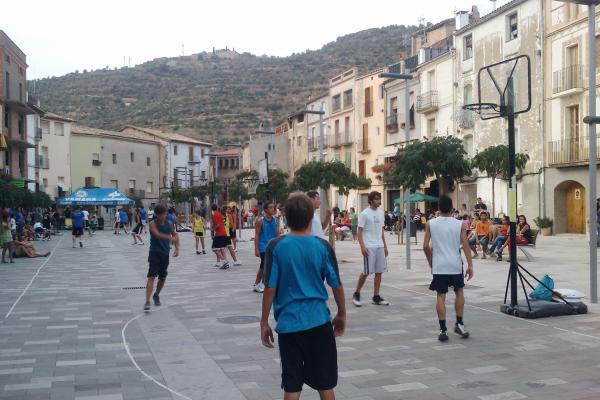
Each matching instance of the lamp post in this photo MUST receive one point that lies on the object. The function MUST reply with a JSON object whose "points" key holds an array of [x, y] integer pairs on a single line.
{"points": [[592, 120], [320, 113], [406, 78], [272, 133]]}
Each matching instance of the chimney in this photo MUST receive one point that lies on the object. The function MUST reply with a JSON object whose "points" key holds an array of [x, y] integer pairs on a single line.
{"points": [[474, 14], [462, 19]]}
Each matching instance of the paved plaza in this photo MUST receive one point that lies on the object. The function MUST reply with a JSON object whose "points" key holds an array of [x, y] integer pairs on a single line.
{"points": [[73, 328]]}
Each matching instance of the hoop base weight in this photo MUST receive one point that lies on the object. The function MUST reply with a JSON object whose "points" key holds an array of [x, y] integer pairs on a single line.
{"points": [[543, 309]]}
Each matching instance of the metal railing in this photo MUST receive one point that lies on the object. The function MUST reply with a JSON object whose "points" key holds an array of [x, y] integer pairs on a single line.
{"points": [[466, 119], [346, 138], [391, 123], [313, 144], [567, 78], [572, 150], [43, 162], [139, 193], [362, 146], [427, 102], [335, 140]]}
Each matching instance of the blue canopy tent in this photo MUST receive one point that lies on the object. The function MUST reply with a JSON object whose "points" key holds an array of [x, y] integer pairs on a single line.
{"points": [[95, 197]]}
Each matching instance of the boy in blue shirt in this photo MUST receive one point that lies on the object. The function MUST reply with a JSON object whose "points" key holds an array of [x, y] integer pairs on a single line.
{"points": [[78, 224], [296, 266], [162, 233]]}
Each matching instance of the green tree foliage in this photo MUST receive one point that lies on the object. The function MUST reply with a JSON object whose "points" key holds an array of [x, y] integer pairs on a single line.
{"points": [[11, 196], [278, 189], [324, 174], [442, 157], [494, 162]]}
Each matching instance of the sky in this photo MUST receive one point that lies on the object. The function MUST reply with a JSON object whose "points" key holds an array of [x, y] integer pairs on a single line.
{"points": [[62, 36]]}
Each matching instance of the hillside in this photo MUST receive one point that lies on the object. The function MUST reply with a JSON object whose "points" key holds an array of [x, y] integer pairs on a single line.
{"points": [[217, 95]]}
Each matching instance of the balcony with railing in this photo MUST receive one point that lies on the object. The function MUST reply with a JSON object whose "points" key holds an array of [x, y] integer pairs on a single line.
{"points": [[346, 138], [570, 151], [391, 123], [137, 193], [427, 102], [362, 146], [37, 133], [335, 140], [568, 80], [42, 162], [313, 143], [466, 119]]}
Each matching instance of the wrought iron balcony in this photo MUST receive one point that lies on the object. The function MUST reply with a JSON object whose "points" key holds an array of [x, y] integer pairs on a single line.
{"points": [[362, 146], [567, 78], [570, 151], [391, 123], [427, 102]]}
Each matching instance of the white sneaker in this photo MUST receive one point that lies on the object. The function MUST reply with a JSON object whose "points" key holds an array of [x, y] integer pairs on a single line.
{"points": [[461, 330], [237, 263], [218, 264], [262, 286], [258, 288]]}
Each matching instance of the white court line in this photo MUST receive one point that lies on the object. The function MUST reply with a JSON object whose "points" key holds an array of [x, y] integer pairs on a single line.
{"points": [[34, 276], [502, 314], [140, 370]]}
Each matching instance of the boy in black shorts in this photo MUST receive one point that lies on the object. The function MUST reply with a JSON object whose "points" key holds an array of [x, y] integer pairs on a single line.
{"points": [[443, 238], [162, 233], [296, 266]]}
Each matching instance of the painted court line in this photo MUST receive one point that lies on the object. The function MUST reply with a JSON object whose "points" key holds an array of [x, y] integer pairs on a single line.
{"points": [[33, 278]]}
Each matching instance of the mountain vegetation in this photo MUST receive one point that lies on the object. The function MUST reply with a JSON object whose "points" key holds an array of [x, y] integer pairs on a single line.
{"points": [[220, 95]]}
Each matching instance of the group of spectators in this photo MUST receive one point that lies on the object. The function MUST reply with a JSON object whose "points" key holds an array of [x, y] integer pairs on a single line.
{"points": [[19, 228]]}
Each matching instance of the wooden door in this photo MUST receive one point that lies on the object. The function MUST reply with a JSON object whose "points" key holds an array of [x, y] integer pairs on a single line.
{"points": [[576, 209], [365, 137]]}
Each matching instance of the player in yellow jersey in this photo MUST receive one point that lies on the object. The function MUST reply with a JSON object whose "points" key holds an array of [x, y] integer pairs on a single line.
{"points": [[199, 231]]}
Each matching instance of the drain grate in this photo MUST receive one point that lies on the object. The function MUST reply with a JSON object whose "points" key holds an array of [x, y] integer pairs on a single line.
{"points": [[239, 319], [133, 287]]}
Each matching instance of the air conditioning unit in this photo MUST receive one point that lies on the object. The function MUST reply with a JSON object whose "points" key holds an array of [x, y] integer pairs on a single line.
{"points": [[96, 163]]}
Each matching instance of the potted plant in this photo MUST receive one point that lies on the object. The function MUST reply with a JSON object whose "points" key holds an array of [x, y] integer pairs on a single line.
{"points": [[545, 224]]}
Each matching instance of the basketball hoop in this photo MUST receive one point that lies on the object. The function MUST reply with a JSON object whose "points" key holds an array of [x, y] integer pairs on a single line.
{"points": [[252, 185], [484, 110]]}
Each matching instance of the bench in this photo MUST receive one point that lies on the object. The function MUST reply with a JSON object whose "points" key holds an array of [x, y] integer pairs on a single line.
{"points": [[523, 247]]}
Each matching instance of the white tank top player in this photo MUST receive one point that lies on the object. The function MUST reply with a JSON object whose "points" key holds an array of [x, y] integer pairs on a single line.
{"points": [[445, 240]]}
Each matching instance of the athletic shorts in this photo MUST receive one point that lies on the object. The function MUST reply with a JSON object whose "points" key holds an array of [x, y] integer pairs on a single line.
{"points": [[376, 262], [199, 234], [262, 260], [309, 357], [157, 264], [77, 231], [232, 234], [86, 223], [122, 224], [219, 242], [138, 228], [441, 283]]}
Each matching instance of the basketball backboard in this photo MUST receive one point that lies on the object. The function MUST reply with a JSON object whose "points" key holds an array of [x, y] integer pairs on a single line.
{"points": [[493, 87], [263, 171]]}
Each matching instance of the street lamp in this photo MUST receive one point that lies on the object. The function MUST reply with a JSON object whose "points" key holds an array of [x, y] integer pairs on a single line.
{"points": [[320, 113], [592, 120], [406, 78]]}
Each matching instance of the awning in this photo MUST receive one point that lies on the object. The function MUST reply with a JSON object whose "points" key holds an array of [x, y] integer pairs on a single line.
{"points": [[417, 198], [96, 197]]}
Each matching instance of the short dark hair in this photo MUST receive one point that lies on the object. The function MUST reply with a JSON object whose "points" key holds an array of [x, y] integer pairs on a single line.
{"points": [[214, 207], [373, 195], [445, 204], [266, 204], [299, 211], [483, 212], [312, 194], [160, 209]]}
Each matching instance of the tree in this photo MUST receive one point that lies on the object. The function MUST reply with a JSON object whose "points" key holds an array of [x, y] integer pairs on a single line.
{"points": [[324, 174], [278, 189], [442, 157], [494, 162]]}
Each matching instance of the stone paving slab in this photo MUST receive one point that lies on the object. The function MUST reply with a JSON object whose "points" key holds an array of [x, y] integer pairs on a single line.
{"points": [[63, 340]]}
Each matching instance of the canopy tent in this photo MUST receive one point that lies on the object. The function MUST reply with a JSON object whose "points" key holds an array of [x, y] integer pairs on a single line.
{"points": [[417, 198], [95, 197]]}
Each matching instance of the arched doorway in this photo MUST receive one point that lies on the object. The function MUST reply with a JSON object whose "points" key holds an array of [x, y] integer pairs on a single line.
{"points": [[569, 207]]}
